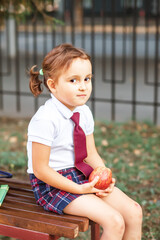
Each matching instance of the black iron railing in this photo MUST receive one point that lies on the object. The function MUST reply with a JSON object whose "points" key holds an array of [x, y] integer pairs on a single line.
{"points": [[122, 38]]}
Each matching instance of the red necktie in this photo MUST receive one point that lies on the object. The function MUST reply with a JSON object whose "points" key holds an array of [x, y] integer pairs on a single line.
{"points": [[80, 147]]}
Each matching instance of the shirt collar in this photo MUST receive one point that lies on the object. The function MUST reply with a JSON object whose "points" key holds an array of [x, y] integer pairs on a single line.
{"points": [[66, 112]]}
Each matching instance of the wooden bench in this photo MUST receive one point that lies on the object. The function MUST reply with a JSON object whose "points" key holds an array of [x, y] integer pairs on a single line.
{"points": [[22, 218]]}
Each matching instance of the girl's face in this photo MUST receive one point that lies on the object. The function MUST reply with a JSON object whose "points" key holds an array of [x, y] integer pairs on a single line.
{"points": [[73, 87]]}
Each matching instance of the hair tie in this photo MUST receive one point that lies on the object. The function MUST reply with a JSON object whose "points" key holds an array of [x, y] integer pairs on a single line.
{"points": [[41, 72]]}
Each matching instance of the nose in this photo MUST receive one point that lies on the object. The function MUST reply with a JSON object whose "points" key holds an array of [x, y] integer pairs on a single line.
{"points": [[82, 85]]}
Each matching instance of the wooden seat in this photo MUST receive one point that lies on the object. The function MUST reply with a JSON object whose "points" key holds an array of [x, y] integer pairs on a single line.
{"points": [[22, 218]]}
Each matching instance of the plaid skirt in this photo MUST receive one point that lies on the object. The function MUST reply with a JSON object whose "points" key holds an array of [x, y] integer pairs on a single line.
{"points": [[53, 199]]}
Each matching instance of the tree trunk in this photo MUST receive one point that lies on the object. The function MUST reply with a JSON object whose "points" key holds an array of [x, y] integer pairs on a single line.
{"points": [[78, 13]]}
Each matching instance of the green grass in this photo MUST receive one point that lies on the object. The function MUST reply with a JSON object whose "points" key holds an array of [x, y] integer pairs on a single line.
{"points": [[131, 150], [13, 139]]}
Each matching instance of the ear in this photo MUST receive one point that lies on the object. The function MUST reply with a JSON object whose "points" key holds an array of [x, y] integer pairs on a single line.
{"points": [[51, 84]]}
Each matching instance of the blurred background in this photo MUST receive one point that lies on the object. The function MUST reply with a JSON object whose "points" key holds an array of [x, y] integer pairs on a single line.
{"points": [[122, 37]]}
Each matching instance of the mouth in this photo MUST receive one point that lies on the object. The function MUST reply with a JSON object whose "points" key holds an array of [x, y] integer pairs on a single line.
{"points": [[81, 95]]}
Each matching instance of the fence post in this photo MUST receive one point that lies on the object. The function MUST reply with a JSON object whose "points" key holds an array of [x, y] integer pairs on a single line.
{"points": [[11, 24]]}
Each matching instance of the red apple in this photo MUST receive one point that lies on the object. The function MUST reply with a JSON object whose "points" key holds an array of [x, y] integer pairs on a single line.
{"points": [[105, 177]]}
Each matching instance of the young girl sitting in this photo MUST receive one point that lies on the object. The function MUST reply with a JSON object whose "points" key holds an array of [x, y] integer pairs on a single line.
{"points": [[58, 182]]}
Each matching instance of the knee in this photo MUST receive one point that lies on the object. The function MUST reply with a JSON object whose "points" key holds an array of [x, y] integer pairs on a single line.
{"points": [[136, 213], [117, 224]]}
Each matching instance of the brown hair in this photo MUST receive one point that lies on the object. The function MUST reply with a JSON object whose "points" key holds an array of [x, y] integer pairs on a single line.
{"points": [[56, 61]]}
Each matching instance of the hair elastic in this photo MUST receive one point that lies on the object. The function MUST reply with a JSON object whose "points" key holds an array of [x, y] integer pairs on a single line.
{"points": [[41, 72]]}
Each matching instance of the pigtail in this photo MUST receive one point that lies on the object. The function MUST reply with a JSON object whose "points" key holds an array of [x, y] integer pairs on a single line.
{"points": [[35, 83]]}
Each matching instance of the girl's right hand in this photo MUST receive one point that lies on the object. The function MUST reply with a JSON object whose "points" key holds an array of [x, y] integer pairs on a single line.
{"points": [[89, 187]]}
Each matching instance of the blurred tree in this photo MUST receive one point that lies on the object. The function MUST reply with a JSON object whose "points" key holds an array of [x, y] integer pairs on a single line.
{"points": [[78, 17], [19, 9]]}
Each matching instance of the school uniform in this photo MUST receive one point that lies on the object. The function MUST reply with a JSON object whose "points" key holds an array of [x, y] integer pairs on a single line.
{"points": [[52, 126]]}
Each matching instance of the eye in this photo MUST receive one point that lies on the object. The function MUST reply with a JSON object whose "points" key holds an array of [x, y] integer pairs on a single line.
{"points": [[73, 80], [87, 79]]}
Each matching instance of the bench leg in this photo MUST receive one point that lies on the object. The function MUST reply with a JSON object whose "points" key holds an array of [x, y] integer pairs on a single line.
{"points": [[95, 231], [53, 237]]}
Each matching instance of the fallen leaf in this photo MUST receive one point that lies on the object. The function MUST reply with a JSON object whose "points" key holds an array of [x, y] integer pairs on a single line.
{"points": [[116, 160], [24, 143], [131, 164], [125, 145], [104, 129], [137, 152], [13, 139], [104, 143], [142, 167]]}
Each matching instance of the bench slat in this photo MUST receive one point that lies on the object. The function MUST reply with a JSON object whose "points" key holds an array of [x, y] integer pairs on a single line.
{"points": [[22, 199], [20, 193], [24, 234], [81, 221], [41, 217], [16, 182], [23, 189], [55, 228]]}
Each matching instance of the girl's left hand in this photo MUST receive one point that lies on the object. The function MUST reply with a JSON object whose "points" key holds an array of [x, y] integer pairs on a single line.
{"points": [[108, 190]]}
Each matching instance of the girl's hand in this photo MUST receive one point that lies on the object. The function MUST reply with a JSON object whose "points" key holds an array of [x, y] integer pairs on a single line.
{"points": [[107, 191], [89, 187]]}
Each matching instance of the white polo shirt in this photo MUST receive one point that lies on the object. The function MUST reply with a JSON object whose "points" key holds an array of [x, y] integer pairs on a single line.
{"points": [[52, 126]]}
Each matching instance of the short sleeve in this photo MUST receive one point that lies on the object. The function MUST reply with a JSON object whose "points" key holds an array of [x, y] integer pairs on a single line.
{"points": [[41, 131], [87, 122], [90, 123]]}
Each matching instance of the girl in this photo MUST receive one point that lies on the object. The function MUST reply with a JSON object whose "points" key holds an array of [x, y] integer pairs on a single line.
{"points": [[57, 184]]}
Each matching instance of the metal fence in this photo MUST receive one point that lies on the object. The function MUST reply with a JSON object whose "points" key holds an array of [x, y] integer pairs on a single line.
{"points": [[122, 38]]}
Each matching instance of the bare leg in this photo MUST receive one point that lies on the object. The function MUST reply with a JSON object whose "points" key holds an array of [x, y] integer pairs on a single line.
{"points": [[97, 210], [131, 212]]}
